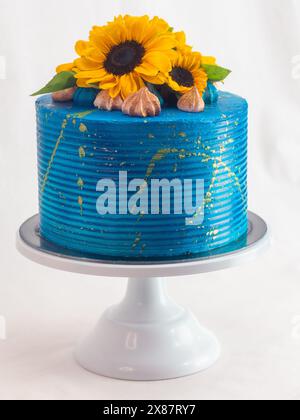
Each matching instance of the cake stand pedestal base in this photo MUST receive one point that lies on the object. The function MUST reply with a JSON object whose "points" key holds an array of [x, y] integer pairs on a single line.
{"points": [[147, 336]]}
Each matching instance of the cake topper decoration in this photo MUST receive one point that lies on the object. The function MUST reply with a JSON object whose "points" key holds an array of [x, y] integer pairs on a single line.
{"points": [[142, 104], [105, 102], [191, 101], [131, 63]]}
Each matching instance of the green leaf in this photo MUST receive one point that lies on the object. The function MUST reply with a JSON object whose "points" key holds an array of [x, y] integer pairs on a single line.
{"points": [[63, 80], [216, 73]]}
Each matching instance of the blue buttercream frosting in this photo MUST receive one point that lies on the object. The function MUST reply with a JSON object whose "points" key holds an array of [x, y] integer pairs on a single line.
{"points": [[79, 145], [211, 94], [85, 96]]}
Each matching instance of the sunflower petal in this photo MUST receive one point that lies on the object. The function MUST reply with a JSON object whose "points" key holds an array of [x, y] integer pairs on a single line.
{"points": [[82, 47], [209, 60], [82, 83], [181, 37], [160, 24], [147, 69], [138, 28], [65, 67], [182, 47], [174, 85], [115, 91], [84, 63], [139, 81], [161, 43], [99, 73], [101, 40], [161, 61], [95, 55], [128, 85], [159, 79], [109, 83]]}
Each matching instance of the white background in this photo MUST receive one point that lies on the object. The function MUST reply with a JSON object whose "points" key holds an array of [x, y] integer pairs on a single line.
{"points": [[254, 309]]}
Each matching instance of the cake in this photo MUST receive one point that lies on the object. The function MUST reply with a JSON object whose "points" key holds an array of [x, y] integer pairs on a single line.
{"points": [[146, 161]]}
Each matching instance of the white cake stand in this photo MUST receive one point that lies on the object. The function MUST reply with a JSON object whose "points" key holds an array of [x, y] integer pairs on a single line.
{"points": [[147, 336]]}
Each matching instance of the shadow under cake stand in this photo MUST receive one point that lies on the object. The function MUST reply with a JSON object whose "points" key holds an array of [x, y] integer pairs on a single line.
{"points": [[147, 336]]}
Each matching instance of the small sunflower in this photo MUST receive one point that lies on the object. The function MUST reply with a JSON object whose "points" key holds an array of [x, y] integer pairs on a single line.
{"points": [[186, 73], [121, 56]]}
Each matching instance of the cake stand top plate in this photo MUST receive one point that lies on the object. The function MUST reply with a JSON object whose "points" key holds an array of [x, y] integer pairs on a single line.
{"points": [[35, 248]]}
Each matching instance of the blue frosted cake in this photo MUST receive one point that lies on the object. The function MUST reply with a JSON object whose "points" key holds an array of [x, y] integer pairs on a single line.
{"points": [[140, 156]]}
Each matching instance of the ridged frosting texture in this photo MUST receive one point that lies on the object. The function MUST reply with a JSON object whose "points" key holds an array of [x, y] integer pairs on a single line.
{"points": [[78, 146]]}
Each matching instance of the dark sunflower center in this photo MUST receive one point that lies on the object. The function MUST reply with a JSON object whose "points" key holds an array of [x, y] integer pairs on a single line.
{"points": [[182, 76], [123, 58]]}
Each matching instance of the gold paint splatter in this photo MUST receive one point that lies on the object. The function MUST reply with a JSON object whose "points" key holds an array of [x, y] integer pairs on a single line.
{"points": [[80, 202], [141, 216], [80, 183], [137, 240], [182, 134], [232, 174], [83, 128], [205, 158], [183, 154], [61, 135], [160, 155], [208, 197], [83, 114], [81, 152]]}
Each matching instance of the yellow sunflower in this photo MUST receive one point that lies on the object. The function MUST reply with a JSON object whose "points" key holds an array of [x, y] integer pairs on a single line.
{"points": [[121, 56], [186, 73]]}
